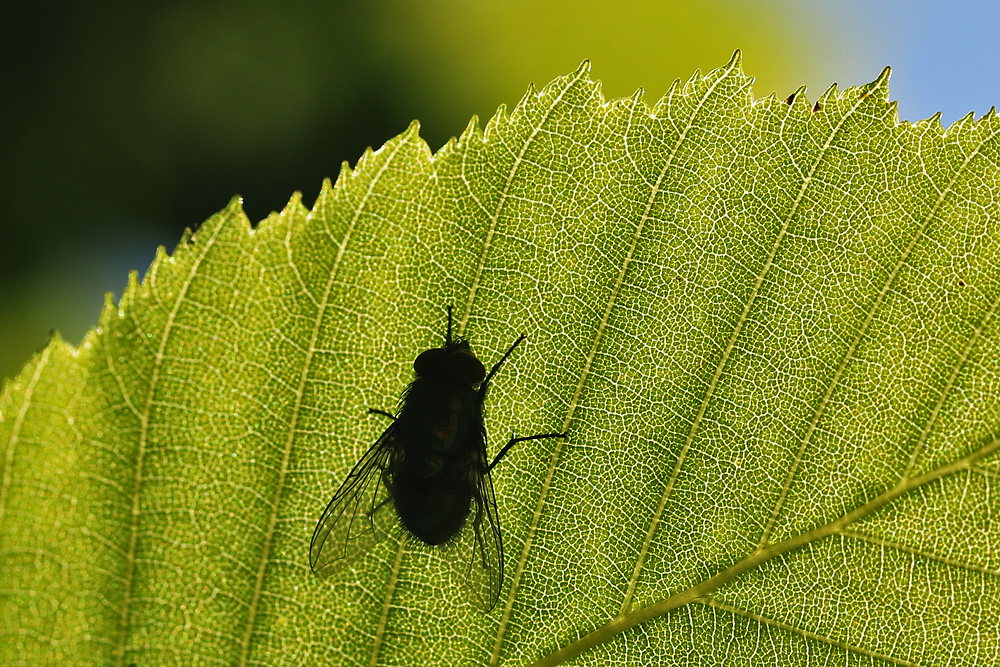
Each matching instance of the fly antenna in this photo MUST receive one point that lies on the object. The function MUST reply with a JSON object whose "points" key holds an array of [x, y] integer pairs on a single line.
{"points": [[447, 340]]}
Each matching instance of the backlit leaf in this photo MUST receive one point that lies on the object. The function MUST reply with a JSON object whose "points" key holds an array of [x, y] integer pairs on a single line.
{"points": [[768, 327]]}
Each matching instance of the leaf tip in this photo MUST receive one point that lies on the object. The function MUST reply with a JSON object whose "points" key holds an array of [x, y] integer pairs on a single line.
{"points": [[470, 131], [736, 60], [500, 117], [883, 77], [412, 130], [799, 94]]}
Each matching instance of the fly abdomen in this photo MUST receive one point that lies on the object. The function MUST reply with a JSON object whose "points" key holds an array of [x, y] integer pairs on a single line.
{"points": [[432, 508]]}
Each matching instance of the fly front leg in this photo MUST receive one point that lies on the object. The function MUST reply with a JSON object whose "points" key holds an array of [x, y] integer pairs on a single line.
{"points": [[514, 441], [484, 386]]}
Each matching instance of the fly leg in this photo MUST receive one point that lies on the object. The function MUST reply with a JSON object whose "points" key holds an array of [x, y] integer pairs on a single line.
{"points": [[485, 384], [514, 441], [374, 411]]}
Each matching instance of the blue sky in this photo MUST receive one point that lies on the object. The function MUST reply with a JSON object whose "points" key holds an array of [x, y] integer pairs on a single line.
{"points": [[944, 56]]}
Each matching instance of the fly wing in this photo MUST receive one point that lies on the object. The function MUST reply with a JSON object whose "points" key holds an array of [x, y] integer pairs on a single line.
{"points": [[486, 567], [359, 514], [479, 543]]}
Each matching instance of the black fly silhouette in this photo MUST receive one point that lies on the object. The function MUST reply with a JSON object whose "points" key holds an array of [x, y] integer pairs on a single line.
{"points": [[430, 466]]}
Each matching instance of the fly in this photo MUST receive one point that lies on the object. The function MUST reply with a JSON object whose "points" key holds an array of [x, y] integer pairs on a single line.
{"points": [[430, 466]]}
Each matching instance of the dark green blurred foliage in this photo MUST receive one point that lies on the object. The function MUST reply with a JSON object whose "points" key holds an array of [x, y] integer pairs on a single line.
{"points": [[125, 122]]}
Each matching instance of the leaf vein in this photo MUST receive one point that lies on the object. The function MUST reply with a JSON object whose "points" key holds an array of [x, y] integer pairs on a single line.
{"points": [[297, 409], [15, 431], [494, 218], [134, 520], [654, 522]]}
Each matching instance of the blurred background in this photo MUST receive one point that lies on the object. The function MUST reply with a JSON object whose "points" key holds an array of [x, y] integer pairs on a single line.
{"points": [[126, 122]]}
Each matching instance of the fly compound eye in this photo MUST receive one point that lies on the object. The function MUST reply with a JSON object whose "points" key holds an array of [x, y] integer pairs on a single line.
{"points": [[458, 366], [430, 363], [464, 368]]}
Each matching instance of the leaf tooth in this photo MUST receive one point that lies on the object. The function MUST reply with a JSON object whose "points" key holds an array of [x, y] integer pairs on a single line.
{"points": [[294, 205], [962, 124], [412, 130], [662, 106], [345, 174], [631, 103], [327, 187], [691, 85], [501, 118], [470, 133], [736, 61], [797, 97], [449, 148], [882, 83], [930, 122], [830, 95], [133, 286], [366, 156]]}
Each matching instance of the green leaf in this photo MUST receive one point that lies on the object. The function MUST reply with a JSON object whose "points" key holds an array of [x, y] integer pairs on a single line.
{"points": [[769, 328]]}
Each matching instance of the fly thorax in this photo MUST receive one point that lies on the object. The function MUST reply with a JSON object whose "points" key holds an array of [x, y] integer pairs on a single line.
{"points": [[447, 426], [425, 463]]}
